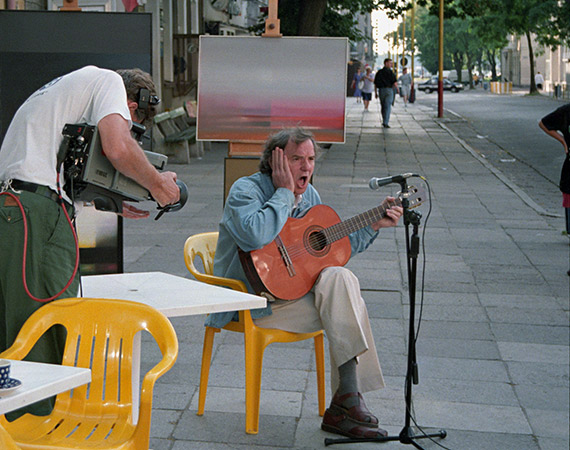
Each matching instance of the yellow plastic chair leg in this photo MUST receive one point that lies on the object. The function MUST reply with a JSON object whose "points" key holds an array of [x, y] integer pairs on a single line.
{"points": [[320, 359], [205, 370], [254, 348]]}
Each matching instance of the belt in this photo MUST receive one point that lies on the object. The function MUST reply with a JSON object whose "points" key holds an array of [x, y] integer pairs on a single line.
{"points": [[35, 189]]}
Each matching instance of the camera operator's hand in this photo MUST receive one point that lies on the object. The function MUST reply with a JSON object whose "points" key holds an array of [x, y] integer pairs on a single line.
{"points": [[167, 191], [132, 212]]}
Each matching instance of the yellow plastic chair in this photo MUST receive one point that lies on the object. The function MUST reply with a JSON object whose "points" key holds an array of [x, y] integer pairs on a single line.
{"points": [[203, 245], [6, 441], [100, 336]]}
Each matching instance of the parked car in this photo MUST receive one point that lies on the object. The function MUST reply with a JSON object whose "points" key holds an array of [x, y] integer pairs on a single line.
{"points": [[448, 85]]}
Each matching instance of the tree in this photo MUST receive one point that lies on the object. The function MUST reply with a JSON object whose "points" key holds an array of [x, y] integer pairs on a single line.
{"points": [[528, 17], [491, 31], [563, 22], [547, 20]]}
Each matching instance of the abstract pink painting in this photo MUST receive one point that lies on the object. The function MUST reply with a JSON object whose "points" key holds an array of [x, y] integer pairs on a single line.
{"points": [[250, 87]]}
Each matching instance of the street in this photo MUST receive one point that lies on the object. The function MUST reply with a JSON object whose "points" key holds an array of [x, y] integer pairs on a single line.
{"points": [[504, 130]]}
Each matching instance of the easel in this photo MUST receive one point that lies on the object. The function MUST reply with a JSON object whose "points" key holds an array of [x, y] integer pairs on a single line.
{"points": [[243, 156], [70, 5]]}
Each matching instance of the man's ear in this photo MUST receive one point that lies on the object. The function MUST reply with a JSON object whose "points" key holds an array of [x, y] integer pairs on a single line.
{"points": [[132, 105]]}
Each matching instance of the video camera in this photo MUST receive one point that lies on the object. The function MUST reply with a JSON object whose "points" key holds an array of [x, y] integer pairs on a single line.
{"points": [[90, 176]]}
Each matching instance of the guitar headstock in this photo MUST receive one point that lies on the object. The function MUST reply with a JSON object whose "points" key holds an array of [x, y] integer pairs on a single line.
{"points": [[414, 195]]}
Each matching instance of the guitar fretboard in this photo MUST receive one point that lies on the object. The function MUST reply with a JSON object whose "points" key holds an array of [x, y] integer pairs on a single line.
{"points": [[348, 226]]}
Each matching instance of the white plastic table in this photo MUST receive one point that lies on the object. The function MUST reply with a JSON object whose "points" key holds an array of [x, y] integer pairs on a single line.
{"points": [[40, 381], [172, 295]]}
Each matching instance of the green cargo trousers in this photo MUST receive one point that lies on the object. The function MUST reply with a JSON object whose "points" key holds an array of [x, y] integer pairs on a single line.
{"points": [[50, 260]]}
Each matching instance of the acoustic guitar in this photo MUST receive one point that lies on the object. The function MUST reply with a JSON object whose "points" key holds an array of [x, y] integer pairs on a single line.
{"points": [[288, 266]]}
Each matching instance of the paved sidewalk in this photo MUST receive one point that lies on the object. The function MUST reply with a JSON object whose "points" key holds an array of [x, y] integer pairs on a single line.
{"points": [[493, 346]]}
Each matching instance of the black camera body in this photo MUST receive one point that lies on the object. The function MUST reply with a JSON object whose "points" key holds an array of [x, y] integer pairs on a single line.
{"points": [[89, 176]]}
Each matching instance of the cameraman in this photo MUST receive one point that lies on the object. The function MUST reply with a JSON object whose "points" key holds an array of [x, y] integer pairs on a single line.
{"points": [[28, 178]]}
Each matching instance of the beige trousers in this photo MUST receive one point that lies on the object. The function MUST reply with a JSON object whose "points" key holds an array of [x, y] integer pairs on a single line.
{"points": [[336, 306]]}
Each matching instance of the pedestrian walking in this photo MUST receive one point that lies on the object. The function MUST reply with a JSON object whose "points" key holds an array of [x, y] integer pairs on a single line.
{"points": [[405, 81], [385, 83], [368, 87], [357, 84], [539, 80]]}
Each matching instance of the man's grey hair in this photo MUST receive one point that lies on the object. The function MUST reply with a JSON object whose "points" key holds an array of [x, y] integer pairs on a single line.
{"points": [[135, 80], [280, 139]]}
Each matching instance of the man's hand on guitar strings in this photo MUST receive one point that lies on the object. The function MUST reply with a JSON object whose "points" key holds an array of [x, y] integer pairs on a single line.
{"points": [[281, 173], [393, 214]]}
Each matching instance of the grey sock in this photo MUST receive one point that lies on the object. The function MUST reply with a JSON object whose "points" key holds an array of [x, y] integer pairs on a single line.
{"points": [[347, 377]]}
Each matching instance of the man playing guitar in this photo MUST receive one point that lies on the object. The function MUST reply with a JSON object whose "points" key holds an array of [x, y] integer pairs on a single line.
{"points": [[256, 211]]}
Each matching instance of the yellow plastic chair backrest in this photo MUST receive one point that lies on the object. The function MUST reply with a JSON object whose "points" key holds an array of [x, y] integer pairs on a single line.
{"points": [[203, 246], [100, 336]]}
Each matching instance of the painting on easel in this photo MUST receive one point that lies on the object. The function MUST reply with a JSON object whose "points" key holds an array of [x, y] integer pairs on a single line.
{"points": [[250, 87]]}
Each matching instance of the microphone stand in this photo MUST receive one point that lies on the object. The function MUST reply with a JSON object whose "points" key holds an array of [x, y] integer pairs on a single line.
{"points": [[406, 435]]}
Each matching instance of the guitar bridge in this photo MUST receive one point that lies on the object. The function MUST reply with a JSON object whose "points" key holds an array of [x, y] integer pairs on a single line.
{"points": [[285, 257]]}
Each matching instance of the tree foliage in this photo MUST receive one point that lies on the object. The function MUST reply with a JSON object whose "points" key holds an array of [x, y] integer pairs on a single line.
{"points": [[333, 18], [532, 18], [548, 21]]}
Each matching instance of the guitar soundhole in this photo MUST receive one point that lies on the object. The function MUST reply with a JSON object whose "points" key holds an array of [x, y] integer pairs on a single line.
{"points": [[316, 241]]}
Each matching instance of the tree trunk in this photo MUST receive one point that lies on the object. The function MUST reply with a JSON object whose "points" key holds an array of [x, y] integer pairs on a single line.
{"points": [[458, 65], [470, 70], [480, 63], [310, 17], [493, 63], [533, 88]]}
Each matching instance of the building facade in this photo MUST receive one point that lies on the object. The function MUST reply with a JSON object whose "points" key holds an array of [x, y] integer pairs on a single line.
{"points": [[554, 65]]}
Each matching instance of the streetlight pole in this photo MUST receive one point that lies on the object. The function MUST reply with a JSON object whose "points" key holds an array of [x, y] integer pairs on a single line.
{"points": [[403, 40], [440, 77], [413, 43]]}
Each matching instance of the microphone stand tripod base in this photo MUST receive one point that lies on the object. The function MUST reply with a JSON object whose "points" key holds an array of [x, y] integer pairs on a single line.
{"points": [[405, 437]]}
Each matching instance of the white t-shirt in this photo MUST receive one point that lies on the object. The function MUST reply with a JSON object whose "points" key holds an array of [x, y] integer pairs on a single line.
{"points": [[368, 85], [30, 147]]}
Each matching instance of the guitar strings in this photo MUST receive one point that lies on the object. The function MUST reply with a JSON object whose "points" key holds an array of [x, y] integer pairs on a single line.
{"points": [[338, 231]]}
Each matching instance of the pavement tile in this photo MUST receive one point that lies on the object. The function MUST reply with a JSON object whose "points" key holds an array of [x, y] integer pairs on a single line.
{"points": [[547, 354], [539, 373], [474, 417], [463, 369], [458, 348], [551, 398], [548, 423], [539, 334]]}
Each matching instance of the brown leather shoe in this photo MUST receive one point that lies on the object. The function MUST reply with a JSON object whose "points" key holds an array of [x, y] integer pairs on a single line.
{"points": [[340, 423], [352, 404]]}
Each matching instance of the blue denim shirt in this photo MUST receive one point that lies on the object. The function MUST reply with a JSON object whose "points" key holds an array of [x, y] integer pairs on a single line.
{"points": [[254, 214]]}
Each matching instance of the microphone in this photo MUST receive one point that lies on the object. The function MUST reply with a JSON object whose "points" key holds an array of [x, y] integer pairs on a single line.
{"points": [[376, 183]]}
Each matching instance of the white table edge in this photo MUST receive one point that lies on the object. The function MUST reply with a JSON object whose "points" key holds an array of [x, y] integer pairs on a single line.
{"points": [[19, 397]]}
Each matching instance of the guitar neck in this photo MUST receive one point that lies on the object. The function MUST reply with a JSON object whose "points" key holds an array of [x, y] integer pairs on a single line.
{"points": [[349, 226]]}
